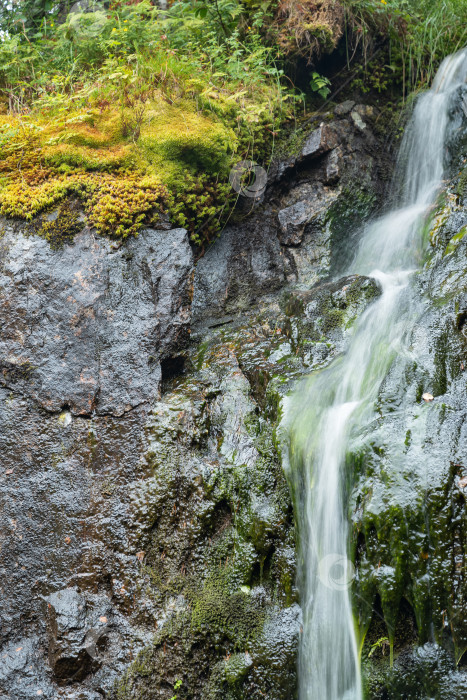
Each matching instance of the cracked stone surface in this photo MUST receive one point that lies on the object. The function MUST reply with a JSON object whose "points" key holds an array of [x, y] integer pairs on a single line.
{"points": [[84, 330], [85, 327]]}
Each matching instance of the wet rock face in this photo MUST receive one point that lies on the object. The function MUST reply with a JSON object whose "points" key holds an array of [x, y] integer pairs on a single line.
{"points": [[83, 333], [293, 219], [216, 512], [23, 674], [164, 536], [408, 506], [304, 229], [86, 326], [147, 544], [68, 655], [244, 264], [64, 489], [321, 140]]}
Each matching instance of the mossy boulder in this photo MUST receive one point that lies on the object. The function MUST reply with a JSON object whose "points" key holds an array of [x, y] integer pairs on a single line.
{"points": [[46, 158]]}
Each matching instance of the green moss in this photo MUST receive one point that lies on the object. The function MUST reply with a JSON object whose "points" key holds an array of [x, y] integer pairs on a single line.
{"points": [[462, 185], [441, 370], [62, 229], [284, 571], [323, 33], [436, 225], [235, 617], [181, 161], [405, 557], [447, 364], [345, 215], [236, 668], [222, 616], [332, 319], [419, 393], [290, 142], [455, 240]]}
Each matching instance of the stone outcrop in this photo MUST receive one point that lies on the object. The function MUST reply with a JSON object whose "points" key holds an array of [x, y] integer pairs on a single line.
{"points": [[303, 230], [86, 327], [84, 332], [124, 486], [147, 542]]}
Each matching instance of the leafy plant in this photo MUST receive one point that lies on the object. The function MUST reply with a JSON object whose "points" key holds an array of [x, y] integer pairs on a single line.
{"points": [[177, 685], [381, 644], [320, 84]]}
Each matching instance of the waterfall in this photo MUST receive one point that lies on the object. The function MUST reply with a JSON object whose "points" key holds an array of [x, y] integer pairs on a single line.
{"points": [[338, 400]]}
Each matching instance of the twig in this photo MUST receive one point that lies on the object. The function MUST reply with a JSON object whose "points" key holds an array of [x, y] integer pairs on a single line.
{"points": [[220, 17]]}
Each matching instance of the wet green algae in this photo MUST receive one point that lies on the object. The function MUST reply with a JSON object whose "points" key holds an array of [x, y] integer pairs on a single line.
{"points": [[236, 569], [219, 537]]}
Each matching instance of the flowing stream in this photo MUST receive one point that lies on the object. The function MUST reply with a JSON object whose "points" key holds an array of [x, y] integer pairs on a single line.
{"points": [[338, 400]]}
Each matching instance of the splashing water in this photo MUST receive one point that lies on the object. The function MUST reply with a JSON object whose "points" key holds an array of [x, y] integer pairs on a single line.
{"points": [[324, 410]]}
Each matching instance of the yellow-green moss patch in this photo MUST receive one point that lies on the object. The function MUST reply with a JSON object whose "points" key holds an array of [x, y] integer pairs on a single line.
{"points": [[122, 184]]}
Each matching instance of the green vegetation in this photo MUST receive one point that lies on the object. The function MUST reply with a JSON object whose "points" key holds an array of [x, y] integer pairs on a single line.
{"points": [[141, 112], [59, 230], [177, 685], [320, 84], [420, 34], [136, 111]]}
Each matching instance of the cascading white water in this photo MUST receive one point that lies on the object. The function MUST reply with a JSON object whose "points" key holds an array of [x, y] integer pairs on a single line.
{"points": [[331, 404]]}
